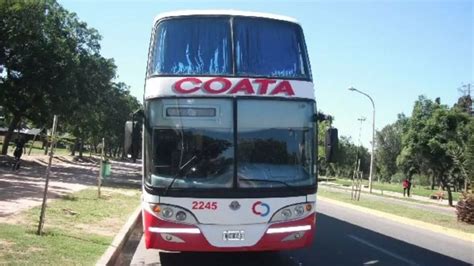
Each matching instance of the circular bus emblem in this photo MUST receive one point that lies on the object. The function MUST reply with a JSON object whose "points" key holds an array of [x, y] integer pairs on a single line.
{"points": [[234, 205], [260, 208]]}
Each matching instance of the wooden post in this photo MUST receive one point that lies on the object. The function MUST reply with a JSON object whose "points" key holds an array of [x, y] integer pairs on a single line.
{"points": [[99, 178], [34, 140], [51, 153]]}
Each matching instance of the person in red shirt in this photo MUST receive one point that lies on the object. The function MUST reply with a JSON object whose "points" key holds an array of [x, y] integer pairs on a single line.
{"points": [[406, 187]]}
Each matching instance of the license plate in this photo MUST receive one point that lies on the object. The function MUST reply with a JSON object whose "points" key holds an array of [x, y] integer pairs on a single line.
{"points": [[233, 235]]}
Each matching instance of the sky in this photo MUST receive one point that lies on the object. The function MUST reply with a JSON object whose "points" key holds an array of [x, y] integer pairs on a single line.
{"points": [[392, 50]]}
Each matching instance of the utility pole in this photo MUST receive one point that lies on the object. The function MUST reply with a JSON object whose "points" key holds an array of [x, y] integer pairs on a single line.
{"points": [[101, 169], [357, 175], [372, 154], [361, 120], [465, 89], [469, 106], [45, 194]]}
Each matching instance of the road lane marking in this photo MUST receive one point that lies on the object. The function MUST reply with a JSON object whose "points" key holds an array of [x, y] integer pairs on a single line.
{"points": [[391, 254]]}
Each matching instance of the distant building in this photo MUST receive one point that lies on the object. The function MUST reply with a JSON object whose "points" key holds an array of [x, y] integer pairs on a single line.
{"points": [[27, 133]]}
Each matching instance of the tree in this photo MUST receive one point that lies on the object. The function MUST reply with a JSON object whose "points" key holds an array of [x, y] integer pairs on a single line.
{"points": [[347, 156], [40, 49], [464, 104], [434, 132], [94, 76], [389, 146], [469, 153], [411, 160], [116, 110]]}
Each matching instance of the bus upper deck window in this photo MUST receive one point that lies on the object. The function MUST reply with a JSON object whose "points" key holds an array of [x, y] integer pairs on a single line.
{"points": [[269, 48], [192, 46]]}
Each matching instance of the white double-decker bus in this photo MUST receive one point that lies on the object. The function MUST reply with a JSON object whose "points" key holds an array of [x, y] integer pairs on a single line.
{"points": [[229, 134]]}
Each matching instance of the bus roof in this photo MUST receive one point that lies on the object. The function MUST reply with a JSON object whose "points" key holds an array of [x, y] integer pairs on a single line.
{"points": [[180, 13]]}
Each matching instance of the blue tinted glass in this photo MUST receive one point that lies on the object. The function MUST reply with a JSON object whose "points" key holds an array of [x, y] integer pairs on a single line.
{"points": [[192, 46], [269, 48]]}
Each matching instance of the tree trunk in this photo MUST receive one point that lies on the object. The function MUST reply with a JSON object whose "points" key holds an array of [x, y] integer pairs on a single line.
{"points": [[81, 148], [448, 189], [433, 182], [73, 150], [8, 136], [450, 196]]}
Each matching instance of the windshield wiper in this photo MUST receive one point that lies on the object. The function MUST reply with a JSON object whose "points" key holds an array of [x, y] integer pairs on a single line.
{"points": [[271, 181], [179, 173]]}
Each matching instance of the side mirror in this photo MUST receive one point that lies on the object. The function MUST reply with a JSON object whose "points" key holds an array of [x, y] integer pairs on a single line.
{"points": [[133, 132], [330, 143], [320, 117], [127, 147]]}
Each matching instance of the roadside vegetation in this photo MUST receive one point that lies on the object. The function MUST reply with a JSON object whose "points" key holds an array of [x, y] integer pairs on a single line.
{"points": [[434, 148], [36, 148], [401, 210], [418, 190], [79, 228], [50, 64]]}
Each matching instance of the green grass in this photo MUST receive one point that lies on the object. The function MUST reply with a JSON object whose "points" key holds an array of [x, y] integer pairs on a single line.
{"points": [[39, 151], [416, 190], [68, 239], [36, 150], [400, 210]]}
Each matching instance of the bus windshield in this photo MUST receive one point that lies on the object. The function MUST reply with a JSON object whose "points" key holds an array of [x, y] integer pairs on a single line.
{"points": [[255, 47], [276, 144], [193, 143]]}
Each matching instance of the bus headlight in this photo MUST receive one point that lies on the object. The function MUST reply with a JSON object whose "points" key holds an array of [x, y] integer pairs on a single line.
{"points": [[181, 216], [286, 213], [172, 213], [292, 212], [167, 212], [299, 210]]}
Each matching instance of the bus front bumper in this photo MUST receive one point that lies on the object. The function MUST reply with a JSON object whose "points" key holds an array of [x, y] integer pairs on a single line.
{"points": [[171, 236]]}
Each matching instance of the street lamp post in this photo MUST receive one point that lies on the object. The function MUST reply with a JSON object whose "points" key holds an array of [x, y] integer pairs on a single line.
{"points": [[371, 175]]}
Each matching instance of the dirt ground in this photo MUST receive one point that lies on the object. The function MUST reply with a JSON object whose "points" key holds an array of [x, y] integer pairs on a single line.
{"points": [[23, 188]]}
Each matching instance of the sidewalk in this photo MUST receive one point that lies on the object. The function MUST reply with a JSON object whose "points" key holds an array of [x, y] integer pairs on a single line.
{"points": [[23, 189]]}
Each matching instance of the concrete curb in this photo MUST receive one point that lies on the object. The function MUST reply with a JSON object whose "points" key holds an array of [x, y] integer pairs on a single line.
{"points": [[423, 225], [113, 251]]}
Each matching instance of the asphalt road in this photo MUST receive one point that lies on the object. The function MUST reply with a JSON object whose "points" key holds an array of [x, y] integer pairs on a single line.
{"points": [[343, 237]]}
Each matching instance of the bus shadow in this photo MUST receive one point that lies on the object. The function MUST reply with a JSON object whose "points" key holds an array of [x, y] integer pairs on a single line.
{"points": [[226, 258]]}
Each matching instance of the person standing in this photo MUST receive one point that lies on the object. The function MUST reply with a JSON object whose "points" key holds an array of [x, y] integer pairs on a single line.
{"points": [[409, 187], [19, 146], [406, 187]]}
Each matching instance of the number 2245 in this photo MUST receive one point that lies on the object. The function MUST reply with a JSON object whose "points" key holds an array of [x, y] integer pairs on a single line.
{"points": [[201, 205]]}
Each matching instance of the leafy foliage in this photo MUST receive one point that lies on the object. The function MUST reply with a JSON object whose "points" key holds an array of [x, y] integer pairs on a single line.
{"points": [[433, 143], [346, 156], [51, 64], [434, 146], [389, 146]]}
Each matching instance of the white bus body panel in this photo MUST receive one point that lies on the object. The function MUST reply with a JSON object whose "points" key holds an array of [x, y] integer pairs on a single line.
{"points": [[181, 13]]}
